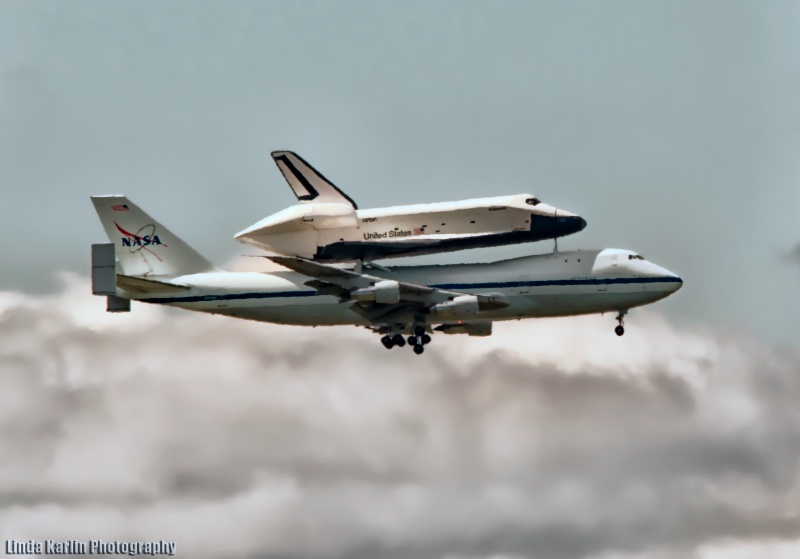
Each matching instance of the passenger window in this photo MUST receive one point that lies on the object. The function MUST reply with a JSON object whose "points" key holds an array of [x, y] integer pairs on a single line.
{"points": [[533, 201]]}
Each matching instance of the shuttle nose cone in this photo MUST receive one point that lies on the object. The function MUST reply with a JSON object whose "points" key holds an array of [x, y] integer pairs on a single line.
{"points": [[571, 224], [559, 225]]}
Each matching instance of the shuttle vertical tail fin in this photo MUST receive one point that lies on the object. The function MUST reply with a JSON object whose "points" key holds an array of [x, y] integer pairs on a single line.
{"points": [[308, 184], [143, 246]]}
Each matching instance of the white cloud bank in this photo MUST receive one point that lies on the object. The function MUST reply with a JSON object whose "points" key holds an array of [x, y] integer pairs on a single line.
{"points": [[553, 438]]}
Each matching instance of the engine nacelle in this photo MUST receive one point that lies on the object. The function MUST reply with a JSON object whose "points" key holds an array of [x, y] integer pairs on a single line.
{"points": [[470, 328], [386, 292], [463, 306]]}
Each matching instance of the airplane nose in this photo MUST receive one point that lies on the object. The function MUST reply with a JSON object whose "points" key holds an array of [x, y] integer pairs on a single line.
{"points": [[675, 281]]}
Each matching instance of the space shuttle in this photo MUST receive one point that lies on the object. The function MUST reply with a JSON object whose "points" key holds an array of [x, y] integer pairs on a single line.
{"points": [[327, 225]]}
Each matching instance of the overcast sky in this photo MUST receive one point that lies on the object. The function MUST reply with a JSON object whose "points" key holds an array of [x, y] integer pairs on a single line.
{"points": [[673, 127]]}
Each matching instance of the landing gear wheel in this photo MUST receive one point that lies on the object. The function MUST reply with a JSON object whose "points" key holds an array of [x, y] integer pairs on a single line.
{"points": [[419, 330], [412, 340], [387, 342], [426, 339], [399, 340], [619, 330], [418, 349]]}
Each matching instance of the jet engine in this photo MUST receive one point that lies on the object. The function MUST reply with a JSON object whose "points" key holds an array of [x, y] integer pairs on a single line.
{"points": [[386, 292], [462, 306], [470, 329]]}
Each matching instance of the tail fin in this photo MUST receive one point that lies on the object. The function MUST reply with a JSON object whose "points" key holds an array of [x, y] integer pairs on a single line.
{"points": [[144, 247], [307, 183]]}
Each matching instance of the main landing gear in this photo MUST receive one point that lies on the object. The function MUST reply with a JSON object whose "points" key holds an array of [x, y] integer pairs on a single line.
{"points": [[390, 341], [418, 340], [619, 330]]}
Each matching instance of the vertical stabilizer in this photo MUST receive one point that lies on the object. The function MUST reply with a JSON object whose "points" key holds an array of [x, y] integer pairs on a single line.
{"points": [[143, 246], [308, 184]]}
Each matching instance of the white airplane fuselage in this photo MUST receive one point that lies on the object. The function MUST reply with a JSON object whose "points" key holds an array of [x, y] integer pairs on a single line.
{"points": [[548, 285]]}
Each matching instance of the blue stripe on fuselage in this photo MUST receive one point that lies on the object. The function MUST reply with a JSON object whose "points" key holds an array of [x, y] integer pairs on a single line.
{"points": [[230, 297], [447, 286], [541, 283]]}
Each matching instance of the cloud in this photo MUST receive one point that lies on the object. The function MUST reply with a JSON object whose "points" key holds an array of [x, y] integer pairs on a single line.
{"points": [[553, 438]]}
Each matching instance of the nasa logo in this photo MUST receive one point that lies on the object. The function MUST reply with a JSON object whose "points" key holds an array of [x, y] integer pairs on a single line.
{"points": [[143, 238], [139, 240]]}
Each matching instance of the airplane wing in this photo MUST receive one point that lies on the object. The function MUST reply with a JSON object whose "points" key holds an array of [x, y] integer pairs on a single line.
{"points": [[379, 300], [349, 282]]}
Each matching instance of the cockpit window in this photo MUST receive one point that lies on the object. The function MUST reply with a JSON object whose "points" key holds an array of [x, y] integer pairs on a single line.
{"points": [[533, 201], [635, 257]]}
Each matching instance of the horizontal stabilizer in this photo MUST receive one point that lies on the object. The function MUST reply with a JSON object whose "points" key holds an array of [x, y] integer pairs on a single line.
{"points": [[308, 184], [141, 285]]}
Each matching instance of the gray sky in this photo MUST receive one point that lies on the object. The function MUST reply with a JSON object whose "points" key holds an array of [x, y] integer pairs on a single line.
{"points": [[673, 127]]}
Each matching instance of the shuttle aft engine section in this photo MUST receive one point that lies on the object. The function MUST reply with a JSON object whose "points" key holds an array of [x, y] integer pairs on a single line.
{"points": [[302, 230], [328, 226]]}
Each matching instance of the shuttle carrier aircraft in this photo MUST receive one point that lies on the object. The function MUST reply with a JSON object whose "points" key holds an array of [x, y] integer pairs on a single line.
{"points": [[147, 262]]}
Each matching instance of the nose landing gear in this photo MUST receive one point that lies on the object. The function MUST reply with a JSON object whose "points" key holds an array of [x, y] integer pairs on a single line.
{"points": [[620, 330]]}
